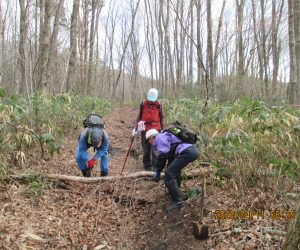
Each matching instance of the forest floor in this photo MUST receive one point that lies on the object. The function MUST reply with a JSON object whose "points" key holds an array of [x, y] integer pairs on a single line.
{"points": [[130, 214]]}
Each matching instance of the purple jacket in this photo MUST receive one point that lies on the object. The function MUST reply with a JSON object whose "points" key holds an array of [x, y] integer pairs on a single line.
{"points": [[164, 141]]}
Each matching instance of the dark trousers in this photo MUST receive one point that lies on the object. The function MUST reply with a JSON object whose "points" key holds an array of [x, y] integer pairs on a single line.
{"points": [[180, 161], [149, 157]]}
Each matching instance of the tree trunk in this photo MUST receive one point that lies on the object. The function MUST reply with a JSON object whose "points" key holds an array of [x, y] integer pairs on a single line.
{"points": [[199, 43], [180, 52], [292, 241], [149, 37], [53, 43], [264, 47], [73, 46], [293, 74], [169, 64], [91, 50], [22, 50], [191, 46], [258, 46], [297, 48], [1, 45], [240, 16], [44, 46], [116, 83], [276, 19], [84, 66], [161, 46], [216, 50], [210, 50]]}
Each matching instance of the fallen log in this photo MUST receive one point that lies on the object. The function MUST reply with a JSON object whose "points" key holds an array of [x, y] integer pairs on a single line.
{"points": [[91, 180]]}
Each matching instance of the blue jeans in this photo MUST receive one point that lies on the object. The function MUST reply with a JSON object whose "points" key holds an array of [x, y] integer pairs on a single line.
{"points": [[83, 157], [180, 161]]}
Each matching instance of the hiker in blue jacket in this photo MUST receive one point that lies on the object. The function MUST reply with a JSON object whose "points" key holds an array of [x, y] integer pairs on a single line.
{"points": [[97, 138], [169, 147]]}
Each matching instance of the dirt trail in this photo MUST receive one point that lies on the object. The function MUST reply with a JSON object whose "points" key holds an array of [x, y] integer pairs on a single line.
{"points": [[111, 215], [80, 216]]}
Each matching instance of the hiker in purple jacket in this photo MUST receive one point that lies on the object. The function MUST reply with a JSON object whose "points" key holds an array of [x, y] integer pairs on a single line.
{"points": [[178, 154]]}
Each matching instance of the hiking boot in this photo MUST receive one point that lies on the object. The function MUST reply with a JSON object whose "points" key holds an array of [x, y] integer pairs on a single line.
{"points": [[177, 201], [104, 173], [86, 173]]}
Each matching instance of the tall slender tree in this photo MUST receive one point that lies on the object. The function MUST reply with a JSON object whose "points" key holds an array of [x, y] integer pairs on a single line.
{"points": [[73, 46], [240, 48], [293, 74], [44, 46], [297, 49], [24, 6], [53, 42]]}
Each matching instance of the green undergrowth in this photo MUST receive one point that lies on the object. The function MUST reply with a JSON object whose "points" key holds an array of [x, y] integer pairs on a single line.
{"points": [[40, 123], [246, 140]]}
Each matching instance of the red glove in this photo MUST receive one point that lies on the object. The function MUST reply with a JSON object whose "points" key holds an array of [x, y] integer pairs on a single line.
{"points": [[91, 163]]}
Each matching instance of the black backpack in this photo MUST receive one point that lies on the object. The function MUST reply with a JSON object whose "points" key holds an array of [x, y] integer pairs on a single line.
{"points": [[93, 121], [182, 133]]}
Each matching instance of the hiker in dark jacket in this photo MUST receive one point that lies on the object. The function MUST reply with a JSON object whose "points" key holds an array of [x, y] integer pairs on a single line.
{"points": [[97, 138], [151, 116], [170, 148]]}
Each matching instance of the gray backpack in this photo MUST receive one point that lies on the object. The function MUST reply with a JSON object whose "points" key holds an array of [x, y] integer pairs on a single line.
{"points": [[93, 121]]}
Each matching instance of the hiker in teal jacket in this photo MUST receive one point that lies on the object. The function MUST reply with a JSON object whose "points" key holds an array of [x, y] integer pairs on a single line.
{"points": [[97, 138]]}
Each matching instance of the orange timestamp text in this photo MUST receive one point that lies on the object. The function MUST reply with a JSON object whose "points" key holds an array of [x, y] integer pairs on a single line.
{"points": [[275, 214]]}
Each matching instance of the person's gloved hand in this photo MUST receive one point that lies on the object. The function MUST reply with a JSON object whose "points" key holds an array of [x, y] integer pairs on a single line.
{"points": [[141, 126], [134, 132], [91, 163], [156, 177]]}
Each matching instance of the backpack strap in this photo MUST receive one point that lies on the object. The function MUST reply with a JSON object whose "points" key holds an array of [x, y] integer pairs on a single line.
{"points": [[157, 104]]}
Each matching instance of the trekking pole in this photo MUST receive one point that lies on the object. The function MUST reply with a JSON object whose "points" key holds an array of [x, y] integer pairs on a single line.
{"points": [[127, 154]]}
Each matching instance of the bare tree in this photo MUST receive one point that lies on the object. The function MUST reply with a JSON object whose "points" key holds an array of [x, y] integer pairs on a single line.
{"points": [[264, 46], [276, 45], [217, 44], [191, 45], [149, 38], [199, 42], [210, 52], [87, 87], [240, 17], [44, 46], [53, 43], [24, 6], [258, 44], [161, 46], [293, 73], [297, 53], [116, 83], [169, 65], [73, 46], [2, 42]]}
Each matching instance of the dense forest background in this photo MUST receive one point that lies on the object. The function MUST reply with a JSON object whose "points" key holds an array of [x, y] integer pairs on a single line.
{"points": [[117, 49]]}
